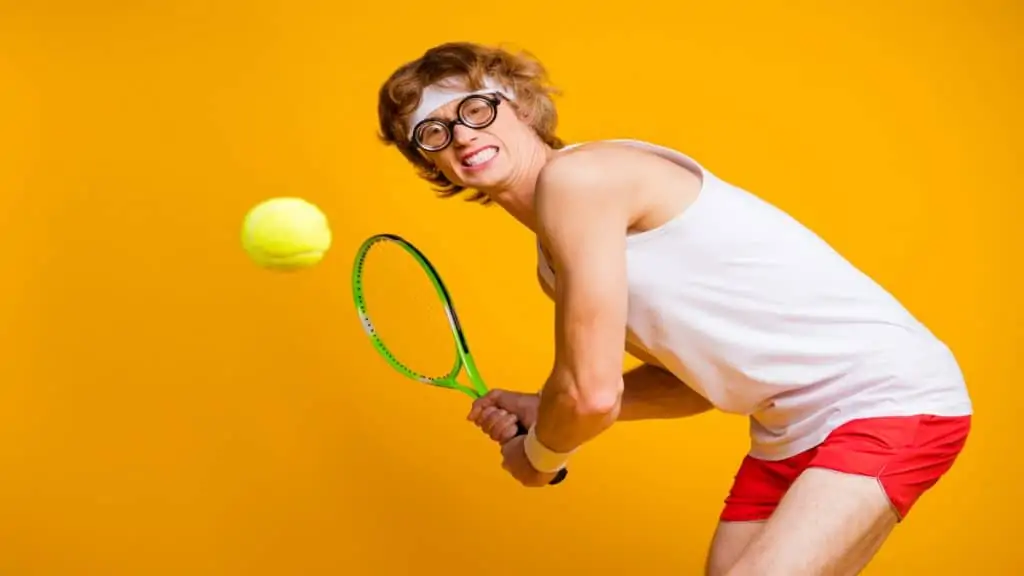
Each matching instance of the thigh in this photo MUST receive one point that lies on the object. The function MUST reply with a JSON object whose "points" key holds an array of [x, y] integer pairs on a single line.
{"points": [[851, 492], [757, 489], [730, 541], [828, 523]]}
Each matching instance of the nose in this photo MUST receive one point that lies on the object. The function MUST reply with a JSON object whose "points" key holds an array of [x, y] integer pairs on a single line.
{"points": [[463, 135]]}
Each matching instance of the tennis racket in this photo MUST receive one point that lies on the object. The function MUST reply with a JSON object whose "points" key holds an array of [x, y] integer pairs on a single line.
{"points": [[380, 274]]}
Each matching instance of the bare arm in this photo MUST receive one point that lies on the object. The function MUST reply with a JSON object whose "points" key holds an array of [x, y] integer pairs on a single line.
{"points": [[650, 391], [653, 393], [582, 220]]}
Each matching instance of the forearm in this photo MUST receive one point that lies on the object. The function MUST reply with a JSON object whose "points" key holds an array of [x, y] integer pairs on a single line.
{"points": [[653, 393], [567, 418]]}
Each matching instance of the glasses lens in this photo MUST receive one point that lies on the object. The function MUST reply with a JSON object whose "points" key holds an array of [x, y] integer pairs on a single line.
{"points": [[432, 135], [477, 111]]}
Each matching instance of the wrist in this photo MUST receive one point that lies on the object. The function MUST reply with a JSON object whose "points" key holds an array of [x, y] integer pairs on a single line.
{"points": [[542, 458]]}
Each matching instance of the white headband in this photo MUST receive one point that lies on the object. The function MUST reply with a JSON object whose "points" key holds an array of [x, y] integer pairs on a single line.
{"points": [[436, 96]]}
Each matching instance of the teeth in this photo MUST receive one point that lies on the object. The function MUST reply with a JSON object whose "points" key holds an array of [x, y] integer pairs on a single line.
{"points": [[481, 156]]}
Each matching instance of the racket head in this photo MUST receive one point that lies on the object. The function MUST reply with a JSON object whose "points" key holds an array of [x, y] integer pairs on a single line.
{"points": [[461, 356]]}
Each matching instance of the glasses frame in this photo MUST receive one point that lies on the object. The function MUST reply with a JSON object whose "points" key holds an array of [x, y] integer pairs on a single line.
{"points": [[493, 100]]}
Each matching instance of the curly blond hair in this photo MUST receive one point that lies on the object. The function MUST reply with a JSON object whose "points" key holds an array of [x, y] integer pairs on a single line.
{"points": [[472, 63]]}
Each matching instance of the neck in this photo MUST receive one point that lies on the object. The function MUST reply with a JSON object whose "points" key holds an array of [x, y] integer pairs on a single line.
{"points": [[516, 197]]}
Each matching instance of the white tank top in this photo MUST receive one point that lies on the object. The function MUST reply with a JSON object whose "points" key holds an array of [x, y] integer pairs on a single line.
{"points": [[763, 318]]}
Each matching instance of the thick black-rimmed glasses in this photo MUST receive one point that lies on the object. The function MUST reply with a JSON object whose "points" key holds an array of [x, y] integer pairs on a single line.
{"points": [[476, 111]]}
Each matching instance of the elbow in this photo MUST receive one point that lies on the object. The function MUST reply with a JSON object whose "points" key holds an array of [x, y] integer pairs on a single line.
{"points": [[599, 399]]}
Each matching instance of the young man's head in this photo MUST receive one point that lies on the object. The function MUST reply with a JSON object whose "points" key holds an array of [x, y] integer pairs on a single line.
{"points": [[469, 116]]}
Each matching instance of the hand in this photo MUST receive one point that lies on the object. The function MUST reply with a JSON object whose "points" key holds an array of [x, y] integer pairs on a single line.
{"points": [[514, 460], [498, 411]]}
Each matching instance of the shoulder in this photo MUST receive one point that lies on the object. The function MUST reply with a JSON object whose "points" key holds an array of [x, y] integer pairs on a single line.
{"points": [[589, 164], [591, 176]]}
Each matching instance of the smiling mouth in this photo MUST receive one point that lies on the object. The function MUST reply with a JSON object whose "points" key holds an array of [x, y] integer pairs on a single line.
{"points": [[480, 157]]}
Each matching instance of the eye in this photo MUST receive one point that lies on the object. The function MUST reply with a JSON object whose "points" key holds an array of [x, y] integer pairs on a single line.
{"points": [[432, 130], [477, 111], [432, 134]]}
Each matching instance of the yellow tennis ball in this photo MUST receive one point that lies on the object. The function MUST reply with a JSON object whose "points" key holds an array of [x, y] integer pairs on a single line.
{"points": [[286, 234]]}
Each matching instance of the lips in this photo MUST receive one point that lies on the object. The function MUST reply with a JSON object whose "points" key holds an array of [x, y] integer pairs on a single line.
{"points": [[479, 157]]}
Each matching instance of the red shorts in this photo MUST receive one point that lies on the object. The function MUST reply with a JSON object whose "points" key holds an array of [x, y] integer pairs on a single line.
{"points": [[907, 455]]}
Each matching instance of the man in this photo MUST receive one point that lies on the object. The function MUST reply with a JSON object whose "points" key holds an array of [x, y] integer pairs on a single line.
{"points": [[855, 408]]}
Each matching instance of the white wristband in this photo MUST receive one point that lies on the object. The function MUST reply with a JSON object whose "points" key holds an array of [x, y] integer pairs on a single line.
{"points": [[542, 458]]}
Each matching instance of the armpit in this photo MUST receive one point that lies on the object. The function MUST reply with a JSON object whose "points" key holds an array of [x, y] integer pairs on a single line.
{"points": [[545, 273], [544, 285]]}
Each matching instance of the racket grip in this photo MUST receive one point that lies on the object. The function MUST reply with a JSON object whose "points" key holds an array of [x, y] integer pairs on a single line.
{"points": [[522, 431]]}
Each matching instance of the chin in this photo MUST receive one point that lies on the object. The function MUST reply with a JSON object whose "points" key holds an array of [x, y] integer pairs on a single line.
{"points": [[491, 178], [485, 182]]}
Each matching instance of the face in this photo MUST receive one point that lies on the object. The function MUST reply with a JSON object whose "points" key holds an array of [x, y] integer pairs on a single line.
{"points": [[477, 142]]}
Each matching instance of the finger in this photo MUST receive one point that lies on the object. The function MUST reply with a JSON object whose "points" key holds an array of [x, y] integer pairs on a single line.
{"points": [[506, 429], [486, 416], [482, 414], [492, 419], [480, 404]]}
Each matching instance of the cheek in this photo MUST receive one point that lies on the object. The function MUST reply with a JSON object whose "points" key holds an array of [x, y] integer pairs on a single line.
{"points": [[512, 132], [445, 161], [449, 166]]}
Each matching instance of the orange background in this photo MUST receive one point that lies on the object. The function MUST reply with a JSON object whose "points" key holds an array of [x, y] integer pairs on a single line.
{"points": [[168, 408]]}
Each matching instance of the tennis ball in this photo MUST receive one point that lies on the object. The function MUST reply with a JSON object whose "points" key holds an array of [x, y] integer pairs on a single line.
{"points": [[285, 234]]}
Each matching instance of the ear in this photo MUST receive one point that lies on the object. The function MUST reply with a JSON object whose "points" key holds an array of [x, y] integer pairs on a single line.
{"points": [[523, 113]]}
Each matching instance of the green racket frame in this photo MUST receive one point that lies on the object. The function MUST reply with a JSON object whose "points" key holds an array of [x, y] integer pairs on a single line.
{"points": [[463, 357]]}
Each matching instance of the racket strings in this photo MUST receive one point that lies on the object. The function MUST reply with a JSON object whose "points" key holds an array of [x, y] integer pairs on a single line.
{"points": [[403, 314]]}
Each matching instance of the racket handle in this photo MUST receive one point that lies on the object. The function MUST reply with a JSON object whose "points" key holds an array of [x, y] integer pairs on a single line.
{"points": [[522, 431]]}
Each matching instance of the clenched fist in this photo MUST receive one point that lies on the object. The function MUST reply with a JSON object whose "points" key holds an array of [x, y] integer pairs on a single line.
{"points": [[498, 412]]}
